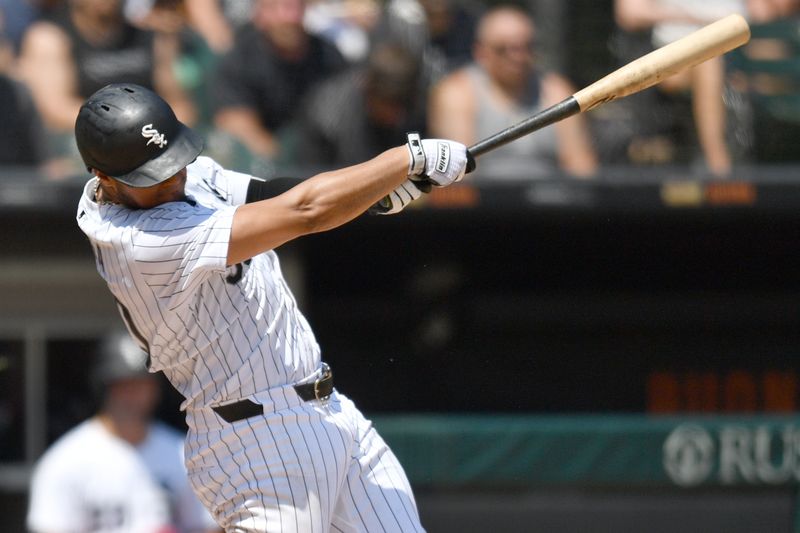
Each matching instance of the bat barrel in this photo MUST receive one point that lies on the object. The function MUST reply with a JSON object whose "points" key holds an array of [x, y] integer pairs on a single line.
{"points": [[710, 41], [551, 115]]}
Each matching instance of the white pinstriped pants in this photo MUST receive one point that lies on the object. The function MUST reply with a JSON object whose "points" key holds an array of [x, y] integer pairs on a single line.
{"points": [[303, 467]]}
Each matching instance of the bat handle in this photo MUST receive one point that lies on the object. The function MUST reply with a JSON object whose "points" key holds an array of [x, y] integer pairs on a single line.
{"points": [[566, 108], [470, 162]]}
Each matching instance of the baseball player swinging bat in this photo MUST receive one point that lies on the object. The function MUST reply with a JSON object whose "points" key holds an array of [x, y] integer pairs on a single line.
{"points": [[710, 41]]}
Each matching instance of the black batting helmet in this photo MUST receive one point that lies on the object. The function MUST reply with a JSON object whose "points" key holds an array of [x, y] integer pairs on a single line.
{"points": [[130, 133]]}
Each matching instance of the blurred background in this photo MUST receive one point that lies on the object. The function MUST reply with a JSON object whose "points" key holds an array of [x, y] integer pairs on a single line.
{"points": [[598, 330]]}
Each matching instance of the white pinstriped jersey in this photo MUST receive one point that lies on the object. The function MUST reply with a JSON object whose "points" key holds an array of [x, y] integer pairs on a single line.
{"points": [[218, 333]]}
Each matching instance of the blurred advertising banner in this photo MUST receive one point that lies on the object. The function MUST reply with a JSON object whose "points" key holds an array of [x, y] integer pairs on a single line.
{"points": [[595, 451]]}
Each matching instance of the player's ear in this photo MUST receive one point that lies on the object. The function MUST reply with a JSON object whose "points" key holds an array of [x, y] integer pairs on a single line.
{"points": [[105, 179], [108, 184]]}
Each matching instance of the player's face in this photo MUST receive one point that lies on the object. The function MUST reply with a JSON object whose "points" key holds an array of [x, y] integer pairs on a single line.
{"points": [[169, 190], [134, 397]]}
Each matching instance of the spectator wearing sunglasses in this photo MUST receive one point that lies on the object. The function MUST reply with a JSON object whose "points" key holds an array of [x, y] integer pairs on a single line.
{"points": [[502, 86]]}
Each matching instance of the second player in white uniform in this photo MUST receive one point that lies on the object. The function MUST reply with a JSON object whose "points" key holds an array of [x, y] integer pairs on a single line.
{"points": [[162, 452], [91, 481], [122, 471], [271, 446]]}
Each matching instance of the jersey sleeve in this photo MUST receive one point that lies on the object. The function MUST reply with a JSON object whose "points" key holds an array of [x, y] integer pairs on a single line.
{"points": [[180, 246], [226, 185]]}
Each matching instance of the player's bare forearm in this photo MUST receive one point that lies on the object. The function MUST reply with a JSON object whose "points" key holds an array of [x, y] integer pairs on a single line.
{"points": [[320, 203]]}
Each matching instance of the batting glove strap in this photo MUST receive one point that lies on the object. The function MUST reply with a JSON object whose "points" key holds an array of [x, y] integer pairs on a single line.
{"points": [[398, 199], [416, 162]]}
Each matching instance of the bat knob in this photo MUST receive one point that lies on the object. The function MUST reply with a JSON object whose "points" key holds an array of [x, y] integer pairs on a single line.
{"points": [[470, 162]]}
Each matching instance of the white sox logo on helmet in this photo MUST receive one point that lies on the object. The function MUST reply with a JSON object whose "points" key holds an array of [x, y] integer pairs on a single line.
{"points": [[149, 132]]}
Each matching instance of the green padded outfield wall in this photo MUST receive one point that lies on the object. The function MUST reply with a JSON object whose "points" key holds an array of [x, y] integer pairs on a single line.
{"points": [[533, 451]]}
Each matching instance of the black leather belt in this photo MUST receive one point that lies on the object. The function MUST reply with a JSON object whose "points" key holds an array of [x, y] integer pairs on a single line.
{"points": [[319, 389]]}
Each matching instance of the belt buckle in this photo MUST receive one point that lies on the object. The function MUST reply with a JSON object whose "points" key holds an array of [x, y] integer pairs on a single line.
{"points": [[326, 373]]}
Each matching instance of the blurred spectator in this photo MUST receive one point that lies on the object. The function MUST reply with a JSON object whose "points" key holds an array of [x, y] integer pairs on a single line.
{"points": [[761, 11], [667, 21], [451, 29], [439, 32], [195, 56], [261, 81], [119, 471], [212, 24], [86, 45], [217, 20], [17, 15], [345, 23], [22, 138], [362, 112], [207, 19], [163, 16], [503, 86], [554, 20], [766, 72]]}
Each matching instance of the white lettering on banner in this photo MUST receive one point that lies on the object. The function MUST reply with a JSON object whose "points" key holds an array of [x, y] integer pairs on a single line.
{"points": [[766, 467], [149, 132], [742, 455], [688, 455], [735, 455]]}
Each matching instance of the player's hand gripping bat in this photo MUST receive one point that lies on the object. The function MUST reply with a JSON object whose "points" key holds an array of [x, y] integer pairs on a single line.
{"points": [[710, 41]]}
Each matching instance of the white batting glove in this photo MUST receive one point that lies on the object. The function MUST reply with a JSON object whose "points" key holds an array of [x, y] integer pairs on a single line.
{"points": [[438, 161], [398, 199]]}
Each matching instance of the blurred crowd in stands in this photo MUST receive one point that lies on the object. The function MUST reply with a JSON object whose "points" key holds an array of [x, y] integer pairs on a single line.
{"points": [[312, 84]]}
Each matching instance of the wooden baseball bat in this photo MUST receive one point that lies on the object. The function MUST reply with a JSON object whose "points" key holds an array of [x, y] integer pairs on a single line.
{"points": [[710, 41]]}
